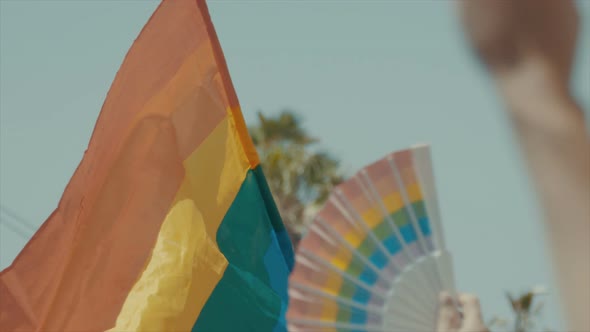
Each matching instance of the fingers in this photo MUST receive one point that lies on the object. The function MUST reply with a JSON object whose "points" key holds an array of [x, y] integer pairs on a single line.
{"points": [[449, 318], [490, 26], [472, 317]]}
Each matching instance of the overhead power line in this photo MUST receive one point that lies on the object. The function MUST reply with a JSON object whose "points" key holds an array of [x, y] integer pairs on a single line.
{"points": [[8, 223], [17, 217], [16, 223]]}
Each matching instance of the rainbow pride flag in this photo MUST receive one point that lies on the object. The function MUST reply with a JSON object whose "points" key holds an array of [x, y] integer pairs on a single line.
{"points": [[168, 223]]}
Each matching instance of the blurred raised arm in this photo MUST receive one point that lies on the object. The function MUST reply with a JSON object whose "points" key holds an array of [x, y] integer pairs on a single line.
{"points": [[528, 48]]}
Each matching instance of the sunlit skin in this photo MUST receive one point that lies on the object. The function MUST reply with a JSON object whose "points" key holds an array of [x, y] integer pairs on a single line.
{"points": [[450, 320], [528, 48]]}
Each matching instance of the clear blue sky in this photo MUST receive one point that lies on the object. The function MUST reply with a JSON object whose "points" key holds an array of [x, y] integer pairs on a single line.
{"points": [[368, 77]]}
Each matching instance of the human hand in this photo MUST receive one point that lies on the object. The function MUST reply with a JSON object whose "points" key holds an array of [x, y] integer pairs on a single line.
{"points": [[511, 36], [450, 320], [528, 47]]}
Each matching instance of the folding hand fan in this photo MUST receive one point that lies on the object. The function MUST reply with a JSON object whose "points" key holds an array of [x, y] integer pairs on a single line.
{"points": [[374, 258]]}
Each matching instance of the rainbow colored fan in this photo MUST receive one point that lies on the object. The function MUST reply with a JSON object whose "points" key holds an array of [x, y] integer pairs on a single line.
{"points": [[374, 258]]}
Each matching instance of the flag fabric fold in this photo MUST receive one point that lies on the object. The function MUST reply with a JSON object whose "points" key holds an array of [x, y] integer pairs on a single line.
{"points": [[168, 223]]}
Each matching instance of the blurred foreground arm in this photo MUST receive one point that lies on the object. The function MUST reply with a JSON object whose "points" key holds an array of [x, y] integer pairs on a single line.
{"points": [[449, 319], [528, 47]]}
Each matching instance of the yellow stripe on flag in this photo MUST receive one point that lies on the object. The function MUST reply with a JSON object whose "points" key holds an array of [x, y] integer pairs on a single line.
{"points": [[214, 173], [186, 263]]}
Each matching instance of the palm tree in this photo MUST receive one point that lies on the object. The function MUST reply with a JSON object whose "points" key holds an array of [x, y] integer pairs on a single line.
{"points": [[300, 176], [526, 314]]}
